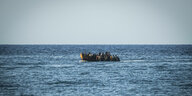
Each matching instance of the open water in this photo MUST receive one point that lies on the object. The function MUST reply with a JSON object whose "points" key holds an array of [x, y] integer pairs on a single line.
{"points": [[43, 70]]}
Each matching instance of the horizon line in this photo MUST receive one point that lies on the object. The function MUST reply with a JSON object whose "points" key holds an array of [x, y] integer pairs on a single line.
{"points": [[98, 44]]}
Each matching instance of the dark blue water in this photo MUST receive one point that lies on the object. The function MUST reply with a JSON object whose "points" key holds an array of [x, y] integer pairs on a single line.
{"points": [[57, 70]]}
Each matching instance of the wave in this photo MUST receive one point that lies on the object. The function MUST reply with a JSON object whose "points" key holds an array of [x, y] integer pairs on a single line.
{"points": [[157, 60], [124, 61], [85, 82]]}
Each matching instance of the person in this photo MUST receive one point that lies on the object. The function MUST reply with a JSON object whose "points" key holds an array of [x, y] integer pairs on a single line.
{"points": [[107, 53]]}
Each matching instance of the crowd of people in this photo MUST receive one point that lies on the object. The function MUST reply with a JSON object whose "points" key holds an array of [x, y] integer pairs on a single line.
{"points": [[99, 57]]}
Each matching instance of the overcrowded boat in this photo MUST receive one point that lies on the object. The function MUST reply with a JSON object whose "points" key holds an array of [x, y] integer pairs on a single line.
{"points": [[99, 57]]}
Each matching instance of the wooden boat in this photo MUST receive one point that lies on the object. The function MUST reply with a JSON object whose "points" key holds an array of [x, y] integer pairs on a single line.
{"points": [[99, 57]]}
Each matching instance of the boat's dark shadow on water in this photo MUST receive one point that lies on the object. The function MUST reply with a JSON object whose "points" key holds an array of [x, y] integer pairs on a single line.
{"points": [[84, 61]]}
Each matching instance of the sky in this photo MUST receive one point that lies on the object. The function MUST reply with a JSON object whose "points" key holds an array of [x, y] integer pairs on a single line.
{"points": [[95, 21]]}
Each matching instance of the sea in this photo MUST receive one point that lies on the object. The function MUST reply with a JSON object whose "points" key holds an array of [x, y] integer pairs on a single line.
{"points": [[57, 70]]}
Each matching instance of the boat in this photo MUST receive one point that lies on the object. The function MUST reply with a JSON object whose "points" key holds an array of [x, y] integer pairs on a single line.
{"points": [[99, 57]]}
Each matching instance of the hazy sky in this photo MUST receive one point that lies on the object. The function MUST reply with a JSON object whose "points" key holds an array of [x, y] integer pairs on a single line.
{"points": [[95, 21]]}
